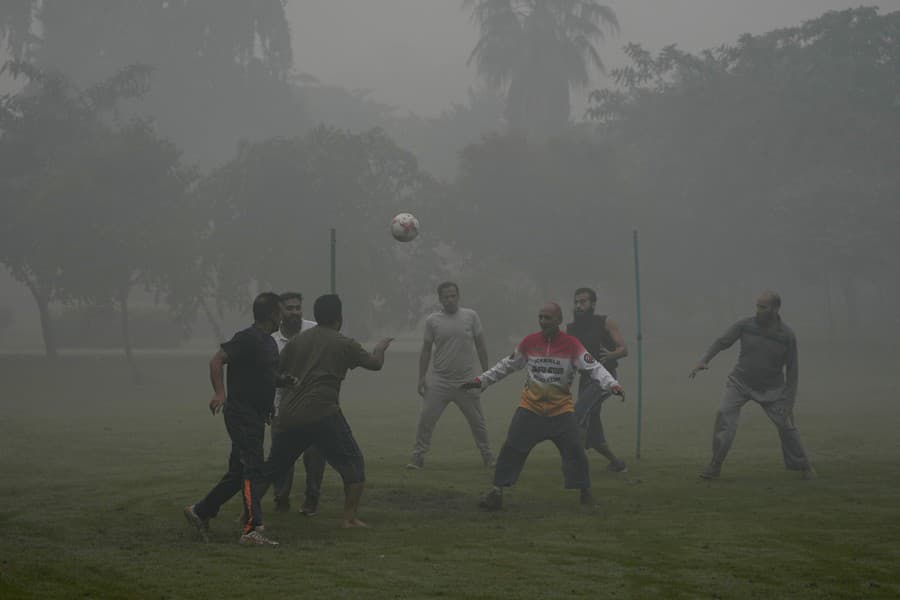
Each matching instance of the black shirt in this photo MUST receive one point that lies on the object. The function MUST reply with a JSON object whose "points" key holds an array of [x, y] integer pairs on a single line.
{"points": [[591, 331], [252, 364]]}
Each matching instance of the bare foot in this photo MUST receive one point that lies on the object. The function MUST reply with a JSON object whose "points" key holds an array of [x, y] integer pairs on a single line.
{"points": [[354, 523]]}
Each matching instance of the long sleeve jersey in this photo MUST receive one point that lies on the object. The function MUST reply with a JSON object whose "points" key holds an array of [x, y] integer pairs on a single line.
{"points": [[768, 357], [551, 367]]}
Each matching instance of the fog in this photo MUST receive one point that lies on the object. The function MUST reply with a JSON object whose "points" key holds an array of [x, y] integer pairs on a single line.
{"points": [[759, 178], [412, 53]]}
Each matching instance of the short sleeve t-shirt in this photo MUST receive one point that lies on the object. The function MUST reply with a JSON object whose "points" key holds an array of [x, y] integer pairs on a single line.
{"points": [[251, 368], [319, 358], [453, 336]]}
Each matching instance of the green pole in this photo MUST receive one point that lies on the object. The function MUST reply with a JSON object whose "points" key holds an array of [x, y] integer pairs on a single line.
{"points": [[333, 264], [640, 345]]}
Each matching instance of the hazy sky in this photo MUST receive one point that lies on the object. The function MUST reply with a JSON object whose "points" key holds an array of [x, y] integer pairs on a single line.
{"points": [[412, 53]]}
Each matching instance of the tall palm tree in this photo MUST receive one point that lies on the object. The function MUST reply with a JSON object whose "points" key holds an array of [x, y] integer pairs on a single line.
{"points": [[537, 51]]}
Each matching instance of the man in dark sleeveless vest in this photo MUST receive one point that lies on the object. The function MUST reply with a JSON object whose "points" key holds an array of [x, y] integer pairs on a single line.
{"points": [[601, 337]]}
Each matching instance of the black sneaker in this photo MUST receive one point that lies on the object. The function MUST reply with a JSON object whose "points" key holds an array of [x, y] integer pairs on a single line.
{"points": [[202, 525], [493, 500], [617, 465], [416, 462], [587, 498], [310, 508]]}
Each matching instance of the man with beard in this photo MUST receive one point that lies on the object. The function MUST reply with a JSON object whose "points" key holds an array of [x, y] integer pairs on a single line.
{"points": [[601, 337], [545, 410], [292, 323], [453, 332], [767, 373]]}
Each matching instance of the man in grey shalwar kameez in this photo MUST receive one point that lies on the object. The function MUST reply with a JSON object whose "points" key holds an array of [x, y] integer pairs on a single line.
{"points": [[767, 373]]}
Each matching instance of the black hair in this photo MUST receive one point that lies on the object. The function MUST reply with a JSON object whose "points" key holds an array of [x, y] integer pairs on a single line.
{"points": [[585, 290], [328, 309], [291, 296], [266, 306]]}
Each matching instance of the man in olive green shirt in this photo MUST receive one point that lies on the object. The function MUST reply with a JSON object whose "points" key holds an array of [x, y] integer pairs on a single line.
{"points": [[309, 413]]}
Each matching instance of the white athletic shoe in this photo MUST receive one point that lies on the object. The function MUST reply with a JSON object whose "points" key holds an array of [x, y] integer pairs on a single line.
{"points": [[256, 538]]}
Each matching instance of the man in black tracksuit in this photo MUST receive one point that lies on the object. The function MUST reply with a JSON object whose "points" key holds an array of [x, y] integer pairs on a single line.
{"points": [[252, 359], [601, 338]]}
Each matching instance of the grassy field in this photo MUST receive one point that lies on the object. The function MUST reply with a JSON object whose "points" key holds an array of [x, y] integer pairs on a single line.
{"points": [[95, 472]]}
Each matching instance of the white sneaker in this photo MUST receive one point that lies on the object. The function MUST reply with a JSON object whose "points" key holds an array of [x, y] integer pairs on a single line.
{"points": [[256, 538]]}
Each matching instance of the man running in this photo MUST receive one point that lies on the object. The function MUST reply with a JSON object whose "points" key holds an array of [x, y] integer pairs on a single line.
{"points": [[252, 359], [767, 373], [601, 337], [452, 332], [545, 409]]}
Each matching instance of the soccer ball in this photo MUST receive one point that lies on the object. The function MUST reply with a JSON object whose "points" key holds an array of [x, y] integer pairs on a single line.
{"points": [[404, 227]]}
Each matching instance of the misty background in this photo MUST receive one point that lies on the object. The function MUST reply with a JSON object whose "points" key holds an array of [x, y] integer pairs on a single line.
{"points": [[143, 208]]}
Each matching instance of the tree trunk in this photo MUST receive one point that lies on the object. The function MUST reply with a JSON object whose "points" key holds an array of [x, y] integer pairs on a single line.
{"points": [[213, 323], [43, 304], [829, 309], [126, 336]]}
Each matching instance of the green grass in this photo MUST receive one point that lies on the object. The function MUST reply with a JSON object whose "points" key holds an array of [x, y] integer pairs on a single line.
{"points": [[95, 472]]}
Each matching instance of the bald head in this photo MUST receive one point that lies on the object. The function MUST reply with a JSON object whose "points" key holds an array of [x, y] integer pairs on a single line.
{"points": [[767, 306], [549, 317]]}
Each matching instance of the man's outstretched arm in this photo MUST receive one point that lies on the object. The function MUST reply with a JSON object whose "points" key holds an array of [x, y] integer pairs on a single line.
{"points": [[506, 365], [375, 360], [723, 342]]}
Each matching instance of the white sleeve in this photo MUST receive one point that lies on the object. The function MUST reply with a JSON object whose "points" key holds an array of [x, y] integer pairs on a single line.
{"points": [[506, 365], [585, 362]]}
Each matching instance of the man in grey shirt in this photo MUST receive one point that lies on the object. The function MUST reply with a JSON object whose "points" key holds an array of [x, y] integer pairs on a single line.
{"points": [[453, 332], [767, 373]]}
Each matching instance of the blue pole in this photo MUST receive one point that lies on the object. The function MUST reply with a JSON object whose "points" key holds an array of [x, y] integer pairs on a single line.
{"points": [[640, 345]]}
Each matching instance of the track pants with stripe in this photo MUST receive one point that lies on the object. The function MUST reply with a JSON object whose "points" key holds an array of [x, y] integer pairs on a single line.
{"points": [[247, 430]]}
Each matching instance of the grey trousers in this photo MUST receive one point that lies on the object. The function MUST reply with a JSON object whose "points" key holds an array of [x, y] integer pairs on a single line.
{"points": [[587, 410], [779, 411], [439, 394]]}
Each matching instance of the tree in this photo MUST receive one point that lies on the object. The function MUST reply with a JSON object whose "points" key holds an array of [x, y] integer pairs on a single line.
{"points": [[273, 206], [16, 17], [135, 224], [220, 66], [41, 128], [537, 51], [784, 142]]}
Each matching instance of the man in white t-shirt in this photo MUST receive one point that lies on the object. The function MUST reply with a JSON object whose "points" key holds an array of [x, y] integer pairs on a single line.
{"points": [[292, 323], [456, 335]]}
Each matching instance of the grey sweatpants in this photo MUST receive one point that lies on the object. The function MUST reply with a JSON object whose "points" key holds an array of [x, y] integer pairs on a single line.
{"points": [[440, 393], [779, 411]]}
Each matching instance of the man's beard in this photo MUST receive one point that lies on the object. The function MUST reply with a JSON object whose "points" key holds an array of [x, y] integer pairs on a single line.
{"points": [[292, 325], [583, 316]]}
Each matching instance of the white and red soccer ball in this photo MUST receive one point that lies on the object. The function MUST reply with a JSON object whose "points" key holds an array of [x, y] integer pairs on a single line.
{"points": [[404, 227]]}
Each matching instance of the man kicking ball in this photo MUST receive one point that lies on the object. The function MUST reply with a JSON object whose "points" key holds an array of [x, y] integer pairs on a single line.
{"points": [[545, 411]]}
